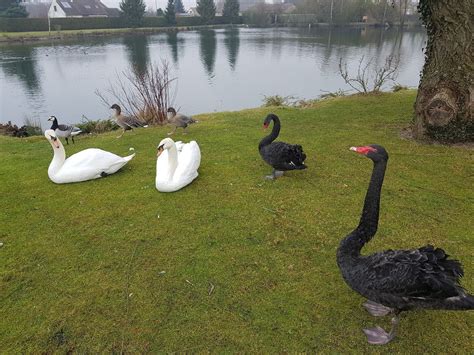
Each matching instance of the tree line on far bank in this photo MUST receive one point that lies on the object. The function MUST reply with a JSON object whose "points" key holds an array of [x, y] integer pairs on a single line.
{"points": [[134, 11]]}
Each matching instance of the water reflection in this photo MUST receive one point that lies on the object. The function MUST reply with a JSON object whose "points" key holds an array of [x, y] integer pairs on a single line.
{"points": [[138, 52], [232, 43], [208, 46], [172, 40], [290, 62], [20, 62]]}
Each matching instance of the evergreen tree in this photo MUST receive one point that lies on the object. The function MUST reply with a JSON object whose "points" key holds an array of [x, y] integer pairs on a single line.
{"points": [[178, 7], [160, 12], [231, 10], [133, 11], [12, 8], [207, 10], [170, 14]]}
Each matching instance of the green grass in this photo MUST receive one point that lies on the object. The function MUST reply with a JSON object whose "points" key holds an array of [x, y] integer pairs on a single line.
{"points": [[113, 265]]}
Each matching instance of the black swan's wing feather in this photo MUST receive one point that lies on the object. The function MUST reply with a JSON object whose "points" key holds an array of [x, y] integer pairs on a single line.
{"points": [[284, 156], [421, 273]]}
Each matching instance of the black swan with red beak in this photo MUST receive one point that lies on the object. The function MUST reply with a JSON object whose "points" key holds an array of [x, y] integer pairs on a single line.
{"points": [[396, 280], [281, 156]]}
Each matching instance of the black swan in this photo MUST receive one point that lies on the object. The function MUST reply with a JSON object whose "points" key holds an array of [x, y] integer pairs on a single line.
{"points": [[126, 122], [63, 130], [396, 280], [281, 156], [179, 120]]}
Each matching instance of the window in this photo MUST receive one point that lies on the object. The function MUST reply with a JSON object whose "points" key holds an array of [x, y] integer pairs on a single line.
{"points": [[55, 9]]}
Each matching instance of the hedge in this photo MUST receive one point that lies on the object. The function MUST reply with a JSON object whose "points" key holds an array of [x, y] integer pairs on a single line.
{"points": [[41, 24]]}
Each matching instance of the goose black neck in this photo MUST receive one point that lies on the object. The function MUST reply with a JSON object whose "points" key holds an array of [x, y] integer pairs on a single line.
{"points": [[274, 134], [369, 219], [55, 124]]}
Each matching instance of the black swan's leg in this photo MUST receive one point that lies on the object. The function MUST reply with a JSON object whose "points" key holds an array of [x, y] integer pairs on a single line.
{"points": [[275, 174], [67, 141], [376, 309], [72, 137], [379, 336]]}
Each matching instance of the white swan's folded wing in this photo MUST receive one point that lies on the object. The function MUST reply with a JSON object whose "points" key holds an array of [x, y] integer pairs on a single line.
{"points": [[189, 159]]}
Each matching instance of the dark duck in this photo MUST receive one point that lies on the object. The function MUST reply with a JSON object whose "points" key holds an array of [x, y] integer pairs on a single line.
{"points": [[125, 122], [396, 280], [281, 156]]}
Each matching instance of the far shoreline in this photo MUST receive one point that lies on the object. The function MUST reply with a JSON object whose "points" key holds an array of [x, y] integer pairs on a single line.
{"points": [[44, 36]]}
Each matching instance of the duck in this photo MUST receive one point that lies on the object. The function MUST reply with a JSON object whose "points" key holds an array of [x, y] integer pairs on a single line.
{"points": [[85, 165], [64, 131], [394, 281], [279, 155], [177, 164], [125, 122], [178, 120]]}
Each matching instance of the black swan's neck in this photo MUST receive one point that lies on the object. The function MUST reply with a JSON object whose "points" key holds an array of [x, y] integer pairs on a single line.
{"points": [[55, 124], [273, 135], [353, 243]]}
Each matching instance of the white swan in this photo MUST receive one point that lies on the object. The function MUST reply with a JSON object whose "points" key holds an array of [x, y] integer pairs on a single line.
{"points": [[176, 165], [88, 164]]}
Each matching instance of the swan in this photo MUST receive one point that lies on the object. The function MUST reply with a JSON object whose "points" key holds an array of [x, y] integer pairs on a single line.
{"points": [[64, 131], [281, 156], [396, 280], [85, 165], [176, 165], [125, 122], [179, 120]]}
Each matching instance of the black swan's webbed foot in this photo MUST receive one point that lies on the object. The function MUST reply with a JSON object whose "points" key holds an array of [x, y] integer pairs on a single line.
{"points": [[376, 309], [275, 174], [379, 336]]}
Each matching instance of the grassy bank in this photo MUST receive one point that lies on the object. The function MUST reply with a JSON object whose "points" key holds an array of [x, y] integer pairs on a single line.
{"points": [[232, 262], [64, 34]]}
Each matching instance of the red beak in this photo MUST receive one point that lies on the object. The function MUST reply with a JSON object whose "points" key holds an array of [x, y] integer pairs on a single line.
{"points": [[363, 150]]}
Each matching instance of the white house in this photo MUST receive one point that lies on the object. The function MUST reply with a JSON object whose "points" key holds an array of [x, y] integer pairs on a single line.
{"points": [[81, 8]]}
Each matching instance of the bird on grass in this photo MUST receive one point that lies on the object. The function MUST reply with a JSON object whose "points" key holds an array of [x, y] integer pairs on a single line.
{"points": [[178, 120], [279, 155], [126, 122], [394, 281], [64, 131]]}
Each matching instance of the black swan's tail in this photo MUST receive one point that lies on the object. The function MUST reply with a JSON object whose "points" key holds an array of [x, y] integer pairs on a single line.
{"points": [[298, 156], [460, 303]]}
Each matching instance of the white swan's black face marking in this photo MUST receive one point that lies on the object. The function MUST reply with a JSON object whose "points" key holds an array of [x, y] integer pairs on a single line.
{"points": [[54, 140], [160, 150]]}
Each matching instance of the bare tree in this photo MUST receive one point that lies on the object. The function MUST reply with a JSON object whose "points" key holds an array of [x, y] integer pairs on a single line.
{"points": [[144, 94], [368, 73]]}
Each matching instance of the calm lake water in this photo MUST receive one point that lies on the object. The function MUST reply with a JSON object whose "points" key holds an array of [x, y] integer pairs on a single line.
{"points": [[217, 70]]}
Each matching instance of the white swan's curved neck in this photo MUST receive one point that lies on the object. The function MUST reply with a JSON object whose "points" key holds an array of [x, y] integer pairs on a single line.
{"points": [[58, 159], [172, 159]]}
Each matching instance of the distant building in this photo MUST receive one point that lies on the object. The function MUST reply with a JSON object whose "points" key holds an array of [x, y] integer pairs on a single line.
{"points": [[36, 9], [246, 4], [81, 8]]}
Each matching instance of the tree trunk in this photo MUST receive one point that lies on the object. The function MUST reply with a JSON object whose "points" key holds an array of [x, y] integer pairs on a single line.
{"points": [[444, 105]]}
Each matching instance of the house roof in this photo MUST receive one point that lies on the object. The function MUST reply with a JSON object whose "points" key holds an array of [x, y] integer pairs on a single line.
{"points": [[86, 8]]}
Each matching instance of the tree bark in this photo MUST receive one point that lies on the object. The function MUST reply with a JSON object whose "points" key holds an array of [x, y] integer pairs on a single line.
{"points": [[444, 105]]}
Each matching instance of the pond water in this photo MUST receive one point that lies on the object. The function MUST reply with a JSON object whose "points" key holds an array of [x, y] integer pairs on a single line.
{"points": [[217, 70]]}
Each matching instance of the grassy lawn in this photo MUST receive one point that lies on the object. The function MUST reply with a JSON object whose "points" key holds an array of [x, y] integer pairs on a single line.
{"points": [[113, 265]]}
